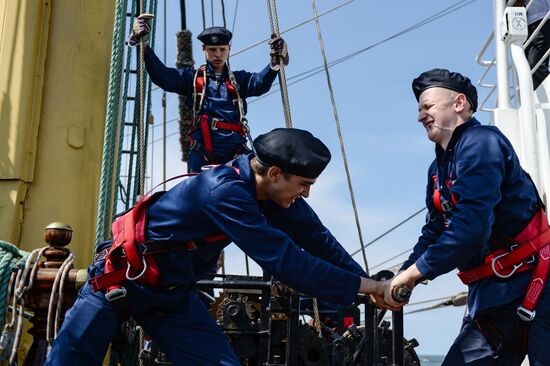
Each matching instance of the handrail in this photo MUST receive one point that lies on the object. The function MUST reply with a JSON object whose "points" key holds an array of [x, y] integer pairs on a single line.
{"points": [[488, 64], [482, 52]]}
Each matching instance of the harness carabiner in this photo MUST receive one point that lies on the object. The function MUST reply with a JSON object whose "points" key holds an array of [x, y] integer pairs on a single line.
{"points": [[129, 278], [516, 267]]}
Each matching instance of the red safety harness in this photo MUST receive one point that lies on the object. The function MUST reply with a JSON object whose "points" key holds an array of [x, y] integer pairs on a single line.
{"points": [[514, 255], [204, 122], [130, 256]]}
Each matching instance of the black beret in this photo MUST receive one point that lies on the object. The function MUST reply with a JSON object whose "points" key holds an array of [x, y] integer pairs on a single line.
{"points": [[215, 36], [293, 150], [445, 79]]}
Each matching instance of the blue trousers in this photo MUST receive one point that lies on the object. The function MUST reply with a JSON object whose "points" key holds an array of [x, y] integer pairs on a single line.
{"points": [[177, 321], [223, 154], [471, 347]]}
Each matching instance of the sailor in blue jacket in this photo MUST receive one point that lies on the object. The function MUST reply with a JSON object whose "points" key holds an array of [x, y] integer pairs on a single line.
{"points": [[478, 198], [258, 203], [216, 94]]}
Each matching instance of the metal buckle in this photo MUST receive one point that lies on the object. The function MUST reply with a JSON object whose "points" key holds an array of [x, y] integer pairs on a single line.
{"points": [[525, 314], [128, 277], [447, 206], [516, 266], [214, 124], [115, 294]]}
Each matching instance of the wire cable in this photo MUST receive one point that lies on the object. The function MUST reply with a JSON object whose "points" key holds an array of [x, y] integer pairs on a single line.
{"points": [[223, 13], [318, 69], [390, 230], [288, 29], [339, 130], [203, 16], [235, 17]]}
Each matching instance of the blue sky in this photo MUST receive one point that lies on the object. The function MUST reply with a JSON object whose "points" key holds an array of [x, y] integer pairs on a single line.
{"points": [[388, 151]]}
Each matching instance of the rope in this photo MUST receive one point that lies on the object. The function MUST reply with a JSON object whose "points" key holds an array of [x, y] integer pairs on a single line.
{"points": [[223, 13], [11, 260], [141, 124], [203, 16], [342, 147], [113, 101], [317, 319], [141, 335], [235, 17], [57, 292], [23, 283], [122, 137], [212, 13], [183, 14], [274, 25]]}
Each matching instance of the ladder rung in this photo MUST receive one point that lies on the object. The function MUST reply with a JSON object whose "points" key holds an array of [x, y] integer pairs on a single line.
{"points": [[130, 98], [129, 152]]}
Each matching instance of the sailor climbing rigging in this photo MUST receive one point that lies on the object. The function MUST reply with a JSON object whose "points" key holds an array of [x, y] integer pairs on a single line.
{"points": [[216, 94]]}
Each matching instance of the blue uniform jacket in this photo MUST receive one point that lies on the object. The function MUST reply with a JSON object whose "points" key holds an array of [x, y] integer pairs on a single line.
{"points": [[493, 194], [218, 102], [291, 244]]}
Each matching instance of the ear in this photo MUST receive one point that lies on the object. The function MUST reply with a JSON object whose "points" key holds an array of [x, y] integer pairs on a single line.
{"points": [[461, 103], [273, 173]]}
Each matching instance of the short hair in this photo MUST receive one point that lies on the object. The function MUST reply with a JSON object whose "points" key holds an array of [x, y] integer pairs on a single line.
{"points": [[262, 169], [454, 93], [258, 167]]}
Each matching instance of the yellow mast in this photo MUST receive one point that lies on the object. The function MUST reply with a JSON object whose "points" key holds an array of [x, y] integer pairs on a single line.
{"points": [[54, 68]]}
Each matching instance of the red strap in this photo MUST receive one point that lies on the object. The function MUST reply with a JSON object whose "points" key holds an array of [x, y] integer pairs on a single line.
{"points": [[109, 279], [437, 196], [231, 89], [498, 262], [205, 129], [536, 285], [228, 126]]}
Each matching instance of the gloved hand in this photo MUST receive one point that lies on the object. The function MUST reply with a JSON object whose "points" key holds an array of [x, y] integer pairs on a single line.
{"points": [[140, 29], [279, 52]]}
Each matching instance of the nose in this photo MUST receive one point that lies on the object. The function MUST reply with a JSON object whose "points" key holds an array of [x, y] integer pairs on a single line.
{"points": [[305, 192], [421, 116]]}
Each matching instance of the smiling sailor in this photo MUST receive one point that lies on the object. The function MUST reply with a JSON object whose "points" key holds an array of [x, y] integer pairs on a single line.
{"points": [[486, 219], [257, 202]]}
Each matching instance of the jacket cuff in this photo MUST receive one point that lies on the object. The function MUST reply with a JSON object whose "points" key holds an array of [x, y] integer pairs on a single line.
{"points": [[425, 269]]}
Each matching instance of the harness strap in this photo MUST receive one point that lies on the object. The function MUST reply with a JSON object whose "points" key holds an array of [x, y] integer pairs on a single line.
{"points": [[130, 253], [536, 286], [201, 121], [500, 260]]}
